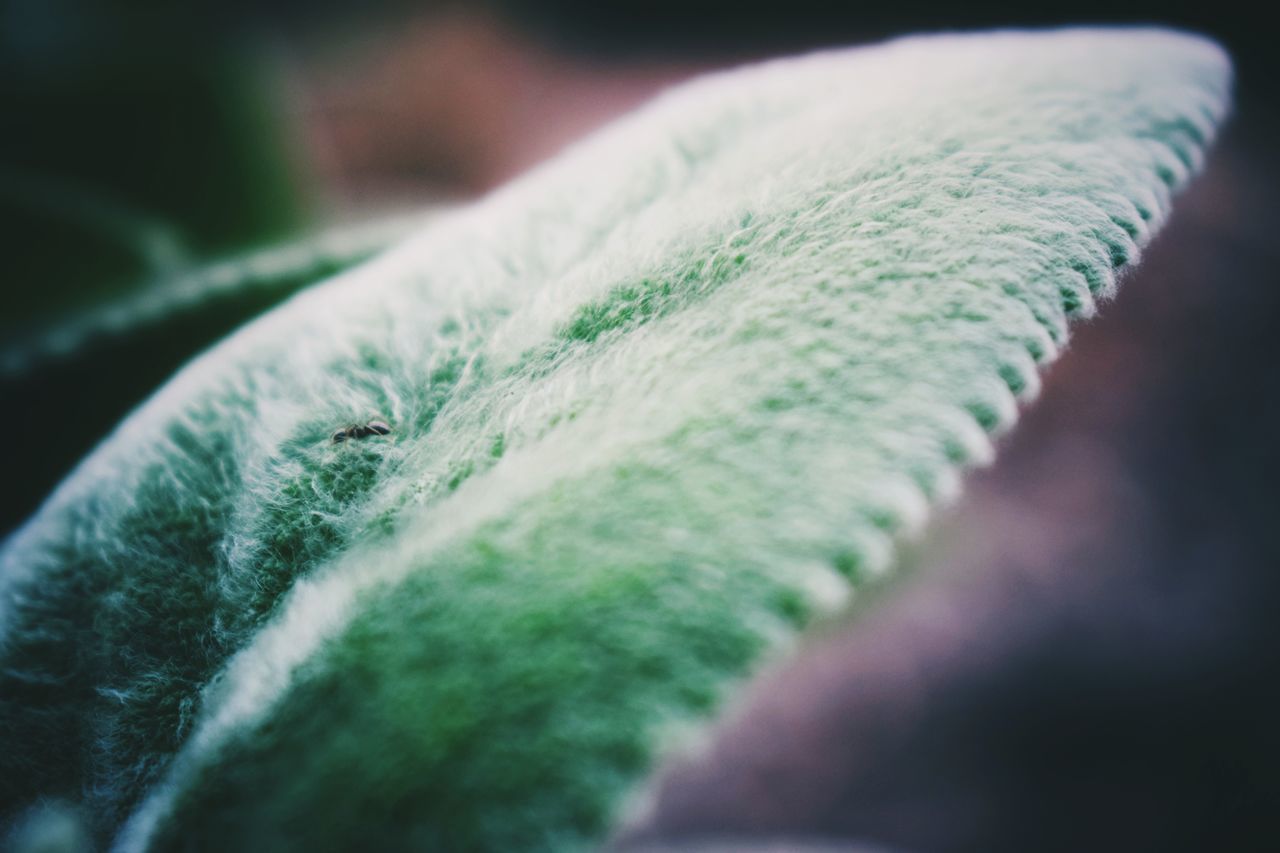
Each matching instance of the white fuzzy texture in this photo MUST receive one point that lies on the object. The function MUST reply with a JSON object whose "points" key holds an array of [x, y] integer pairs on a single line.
{"points": [[798, 296]]}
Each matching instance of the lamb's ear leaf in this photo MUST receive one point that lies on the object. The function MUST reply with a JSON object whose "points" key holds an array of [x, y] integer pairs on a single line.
{"points": [[654, 408]]}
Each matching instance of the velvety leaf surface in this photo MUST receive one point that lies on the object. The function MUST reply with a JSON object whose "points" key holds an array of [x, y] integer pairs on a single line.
{"points": [[653, 408]]}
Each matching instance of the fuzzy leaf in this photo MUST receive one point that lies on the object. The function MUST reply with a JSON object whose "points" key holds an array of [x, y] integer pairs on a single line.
{"points": [[654, 407]]}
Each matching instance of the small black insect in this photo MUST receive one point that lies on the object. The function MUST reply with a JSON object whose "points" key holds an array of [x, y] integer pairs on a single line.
{"points": [[361, 431]]}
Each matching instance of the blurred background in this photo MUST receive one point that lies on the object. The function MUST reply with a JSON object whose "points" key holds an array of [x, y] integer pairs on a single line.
{"points": [[168, 171], [1082, 654]]}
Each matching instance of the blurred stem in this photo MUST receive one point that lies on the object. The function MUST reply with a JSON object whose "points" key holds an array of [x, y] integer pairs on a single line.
{"points": [[153, 242], [272, 272]]}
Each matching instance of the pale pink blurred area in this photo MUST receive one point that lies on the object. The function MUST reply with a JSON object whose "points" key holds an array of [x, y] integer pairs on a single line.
{"points": [[450, 104]]}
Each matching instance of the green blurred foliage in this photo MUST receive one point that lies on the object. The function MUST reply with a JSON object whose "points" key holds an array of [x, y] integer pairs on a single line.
{"points": [[140, 143]]}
